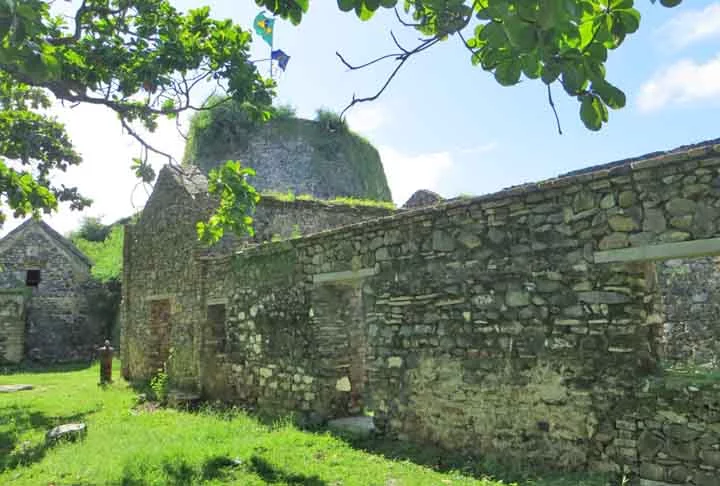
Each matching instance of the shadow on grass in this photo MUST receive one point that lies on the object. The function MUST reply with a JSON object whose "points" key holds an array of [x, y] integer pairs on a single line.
{"points": [[17, 421], [274, 475], [179, 472], [445, 461]]}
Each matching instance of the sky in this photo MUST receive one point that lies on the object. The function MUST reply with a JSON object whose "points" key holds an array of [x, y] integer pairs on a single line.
{"points": [[442, 124]]}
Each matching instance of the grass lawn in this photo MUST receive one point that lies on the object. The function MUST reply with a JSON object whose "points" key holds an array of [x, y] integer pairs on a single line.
{"points": [[167, 447]]}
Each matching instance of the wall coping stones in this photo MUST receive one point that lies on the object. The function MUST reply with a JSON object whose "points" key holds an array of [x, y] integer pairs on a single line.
{"points": [[486, 201]]}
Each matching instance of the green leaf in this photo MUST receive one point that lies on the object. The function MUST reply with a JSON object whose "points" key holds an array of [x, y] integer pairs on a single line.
{"points": [[573, 79], [611, 95], [346, 5], [388, 3], [591, 112], [363, 12], [372, 5], [531, 66], [630, 19], [621, 4], [670, 3], [508, 72], [521, 34], [550, 72]]}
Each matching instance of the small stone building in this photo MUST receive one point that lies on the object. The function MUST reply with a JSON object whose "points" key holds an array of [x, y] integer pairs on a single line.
{"points": [[45, 297]]}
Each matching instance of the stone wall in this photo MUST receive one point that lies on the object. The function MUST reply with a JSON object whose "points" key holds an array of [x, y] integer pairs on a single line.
{"points": [[514, 324], [59, 325], [12, 326], [692, 311], [158, 265], [670, 435]]}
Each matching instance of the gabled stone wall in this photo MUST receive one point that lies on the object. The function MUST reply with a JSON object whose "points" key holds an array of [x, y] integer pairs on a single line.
{"points": [[159, 265], [58, 322]]}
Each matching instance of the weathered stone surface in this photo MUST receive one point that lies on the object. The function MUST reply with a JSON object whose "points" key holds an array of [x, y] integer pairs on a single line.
{"points": [[517, 298], [614, 240], [654, 221], [53, 319], [652, 471], [622, 223], [66, 432], [14, 388], [704, 478], [649, 443], [354, 426], [602, 297], [442, 334], [679, 207]]}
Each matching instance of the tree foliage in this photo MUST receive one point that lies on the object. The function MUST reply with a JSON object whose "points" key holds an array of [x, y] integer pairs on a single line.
{"points": [[106, 253], [237, 200], [563, 42], [143, 60], [140, 58]]}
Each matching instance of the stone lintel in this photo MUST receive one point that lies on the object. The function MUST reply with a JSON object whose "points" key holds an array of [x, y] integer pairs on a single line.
{"points": [[346, 275], [217, 301], [665, 251]]}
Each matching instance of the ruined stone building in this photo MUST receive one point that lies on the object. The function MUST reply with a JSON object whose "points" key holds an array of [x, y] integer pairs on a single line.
{"points": [[45, 293], [531, 323]]}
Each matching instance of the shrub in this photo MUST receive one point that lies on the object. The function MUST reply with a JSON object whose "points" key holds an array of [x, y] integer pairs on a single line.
{"points": [[331, 120]]}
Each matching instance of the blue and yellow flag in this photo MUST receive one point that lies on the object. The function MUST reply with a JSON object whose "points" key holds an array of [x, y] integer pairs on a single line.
{"points": [[264, 27]]}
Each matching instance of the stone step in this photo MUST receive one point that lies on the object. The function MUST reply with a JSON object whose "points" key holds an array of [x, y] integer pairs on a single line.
{"points": [[358, 426], [14, 388], [66, 431]]}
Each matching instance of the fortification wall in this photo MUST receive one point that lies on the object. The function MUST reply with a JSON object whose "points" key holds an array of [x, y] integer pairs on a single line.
{"points": [[513, 324], [301, 156]]}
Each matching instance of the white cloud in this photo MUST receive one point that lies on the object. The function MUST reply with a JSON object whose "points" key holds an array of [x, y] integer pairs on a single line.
{"points": [[693, 26], [683, 82], [367, 118], [409, 173]]}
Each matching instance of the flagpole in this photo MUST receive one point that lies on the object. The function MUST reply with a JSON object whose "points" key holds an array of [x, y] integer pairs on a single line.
{"points": [[272, 42]]}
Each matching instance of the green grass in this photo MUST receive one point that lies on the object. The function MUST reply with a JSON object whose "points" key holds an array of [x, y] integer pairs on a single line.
{"points": [[126, 447], [289, 196]]}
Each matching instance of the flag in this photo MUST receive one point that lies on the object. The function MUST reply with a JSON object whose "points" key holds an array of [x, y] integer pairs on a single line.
{"points": [[264, 27], [280, 57]]}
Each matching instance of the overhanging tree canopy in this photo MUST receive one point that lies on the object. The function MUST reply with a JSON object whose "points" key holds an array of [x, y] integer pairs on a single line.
{"points": [[143, 59]]}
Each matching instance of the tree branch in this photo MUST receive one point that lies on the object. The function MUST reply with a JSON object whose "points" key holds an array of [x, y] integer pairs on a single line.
{"points": [[402, 58], [146, 145], [552, 105]]}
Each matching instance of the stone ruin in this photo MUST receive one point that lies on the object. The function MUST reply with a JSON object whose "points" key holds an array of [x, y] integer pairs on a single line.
{"points": [[529, 324], [45, 298]]}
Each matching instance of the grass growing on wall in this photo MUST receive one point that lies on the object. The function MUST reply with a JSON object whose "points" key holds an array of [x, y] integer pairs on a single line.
{"points": [[128, 445], [289, 196]]}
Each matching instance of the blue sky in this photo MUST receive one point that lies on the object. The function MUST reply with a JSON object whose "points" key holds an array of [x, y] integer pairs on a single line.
{"points": [[443, 124]]}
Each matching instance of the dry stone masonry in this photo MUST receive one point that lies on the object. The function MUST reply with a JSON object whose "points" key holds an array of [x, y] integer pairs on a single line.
{"points": [[45, 298], [526, 324]]}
